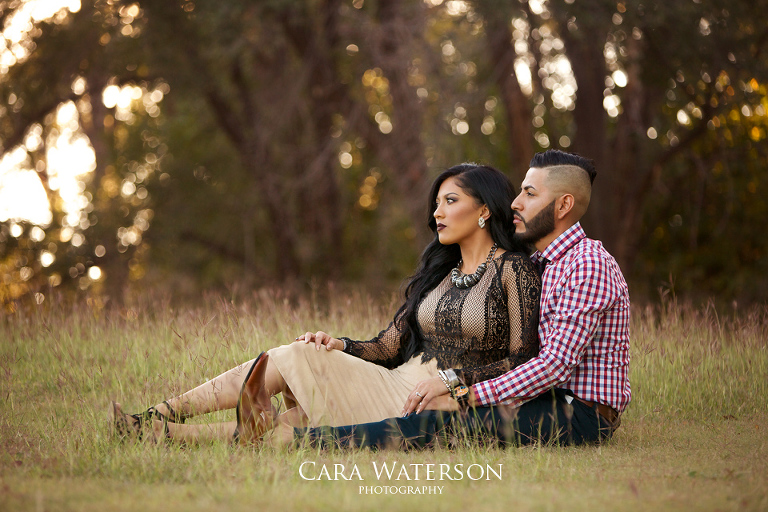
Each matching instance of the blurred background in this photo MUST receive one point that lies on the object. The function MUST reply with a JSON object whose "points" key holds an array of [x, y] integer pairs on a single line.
{"points": [[182, 146]]}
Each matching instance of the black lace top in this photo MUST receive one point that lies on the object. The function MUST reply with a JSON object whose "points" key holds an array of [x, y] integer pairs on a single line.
{"points": [[481, 332]]}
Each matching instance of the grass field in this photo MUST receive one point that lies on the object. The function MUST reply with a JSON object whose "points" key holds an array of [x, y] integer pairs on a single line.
{"points": [[695, 436]]}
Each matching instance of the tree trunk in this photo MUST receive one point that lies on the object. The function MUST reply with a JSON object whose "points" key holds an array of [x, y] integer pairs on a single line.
{"points": [[585, 51], [400, 22], [326, 95], [516, 104]]}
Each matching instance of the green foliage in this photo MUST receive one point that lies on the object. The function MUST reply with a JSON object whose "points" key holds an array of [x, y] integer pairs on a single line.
{"points": [[287, 141]]}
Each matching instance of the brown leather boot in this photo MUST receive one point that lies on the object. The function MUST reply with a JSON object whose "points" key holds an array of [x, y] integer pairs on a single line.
{"points": [[255, 415]]}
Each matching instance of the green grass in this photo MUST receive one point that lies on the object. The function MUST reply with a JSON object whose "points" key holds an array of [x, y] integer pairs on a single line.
{"points": [[695, 436]]}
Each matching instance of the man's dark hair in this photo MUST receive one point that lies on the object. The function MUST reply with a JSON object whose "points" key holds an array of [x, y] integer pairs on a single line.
{"points": [[553, 157]]}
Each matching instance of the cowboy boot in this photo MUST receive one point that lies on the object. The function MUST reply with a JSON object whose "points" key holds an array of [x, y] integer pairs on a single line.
{"points": [[255, 415]]}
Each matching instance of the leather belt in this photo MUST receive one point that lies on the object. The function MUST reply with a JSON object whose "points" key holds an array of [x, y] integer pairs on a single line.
{"points": [[608, 413]]}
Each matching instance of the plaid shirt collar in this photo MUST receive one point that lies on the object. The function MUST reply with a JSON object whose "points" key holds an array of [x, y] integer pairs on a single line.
{"points": [[562, 244]]}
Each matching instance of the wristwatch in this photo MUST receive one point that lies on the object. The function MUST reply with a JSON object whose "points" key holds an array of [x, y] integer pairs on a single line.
{"points": [[461, 394], [459, 391]]}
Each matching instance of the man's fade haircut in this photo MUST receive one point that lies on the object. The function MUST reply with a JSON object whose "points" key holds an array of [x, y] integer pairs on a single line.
{"points": [[555, 157]]}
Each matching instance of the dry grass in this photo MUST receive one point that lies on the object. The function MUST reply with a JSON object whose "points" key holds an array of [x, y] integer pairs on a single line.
{"points": [[694, 438]]}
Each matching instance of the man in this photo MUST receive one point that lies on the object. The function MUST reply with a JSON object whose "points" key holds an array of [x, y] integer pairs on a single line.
{"points": [[575, 390]]}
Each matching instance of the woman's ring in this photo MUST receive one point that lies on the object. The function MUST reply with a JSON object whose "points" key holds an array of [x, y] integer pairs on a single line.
{"points": [[419, 395]]}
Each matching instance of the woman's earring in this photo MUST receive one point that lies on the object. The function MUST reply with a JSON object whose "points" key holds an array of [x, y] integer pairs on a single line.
{"points": [[481, 222]]}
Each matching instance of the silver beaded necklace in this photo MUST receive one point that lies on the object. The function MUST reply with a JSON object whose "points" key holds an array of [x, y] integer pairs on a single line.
{"points": [[463, 281]]}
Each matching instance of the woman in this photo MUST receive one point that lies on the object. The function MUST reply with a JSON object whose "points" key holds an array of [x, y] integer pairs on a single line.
{"points": [[471, 307]]}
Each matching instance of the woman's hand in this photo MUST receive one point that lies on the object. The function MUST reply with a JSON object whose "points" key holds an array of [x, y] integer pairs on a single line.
{"points": [[430, 394], [320, 338]]}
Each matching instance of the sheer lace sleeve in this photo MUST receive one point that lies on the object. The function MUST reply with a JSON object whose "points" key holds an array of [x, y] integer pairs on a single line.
{"points": [[384, 349], [521, 287]]}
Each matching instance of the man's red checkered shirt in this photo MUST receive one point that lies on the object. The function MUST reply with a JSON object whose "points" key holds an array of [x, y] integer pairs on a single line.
{"points": [[583, 329]]}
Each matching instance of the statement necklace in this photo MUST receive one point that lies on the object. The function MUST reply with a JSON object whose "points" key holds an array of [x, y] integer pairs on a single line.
{"points": [[463, 281]]}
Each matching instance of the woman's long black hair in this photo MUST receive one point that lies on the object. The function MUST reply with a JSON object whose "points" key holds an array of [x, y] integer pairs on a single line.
{"points": [[485, 185]]}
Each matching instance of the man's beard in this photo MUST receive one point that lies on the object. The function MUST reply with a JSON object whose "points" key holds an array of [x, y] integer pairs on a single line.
{"points": [[539, 226]]}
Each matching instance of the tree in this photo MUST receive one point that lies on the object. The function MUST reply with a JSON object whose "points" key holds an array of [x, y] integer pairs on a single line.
{"points": [[655, 85], [244, 143]]}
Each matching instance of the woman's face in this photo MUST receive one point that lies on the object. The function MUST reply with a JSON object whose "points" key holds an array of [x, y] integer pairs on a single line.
{"points": [[456, 213]]}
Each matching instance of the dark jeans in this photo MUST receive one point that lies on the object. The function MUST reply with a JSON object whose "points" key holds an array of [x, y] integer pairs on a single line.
{"points": [[548, 419]]}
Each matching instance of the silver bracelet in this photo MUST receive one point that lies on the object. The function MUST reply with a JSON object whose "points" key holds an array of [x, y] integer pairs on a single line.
{"points": [[444, 378], [452, 379]]}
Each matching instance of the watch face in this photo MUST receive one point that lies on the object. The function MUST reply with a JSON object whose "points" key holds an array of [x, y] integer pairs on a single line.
{"points": [[461, 391]]}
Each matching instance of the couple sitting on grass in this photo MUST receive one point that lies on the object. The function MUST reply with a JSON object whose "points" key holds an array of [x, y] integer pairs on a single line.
{"points": [[492, 342]]}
